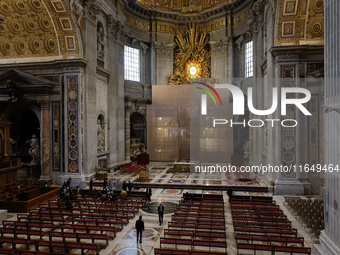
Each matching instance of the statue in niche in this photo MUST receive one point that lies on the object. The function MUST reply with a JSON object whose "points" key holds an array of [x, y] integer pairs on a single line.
{"points": [[78, 9], [34, 149], [100, 42], [100, 137]]}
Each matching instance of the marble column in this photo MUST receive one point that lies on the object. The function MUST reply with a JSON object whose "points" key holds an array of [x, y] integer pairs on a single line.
{"points": [[45, 141], [330, 237]]}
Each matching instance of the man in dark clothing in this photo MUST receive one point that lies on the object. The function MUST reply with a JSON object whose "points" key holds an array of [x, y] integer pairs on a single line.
{"points": [[160, 210], [65, 185], [68, 183], [129, 186], [149, 194], [91, 185], [105, 183], [139, 228], [124, 185]]}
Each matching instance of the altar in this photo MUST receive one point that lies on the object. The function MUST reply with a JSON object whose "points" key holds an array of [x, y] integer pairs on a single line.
{"points": [[183, 167]]}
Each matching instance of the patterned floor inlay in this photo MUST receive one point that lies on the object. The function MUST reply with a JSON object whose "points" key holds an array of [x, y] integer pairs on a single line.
{"points": [[135, 249]]}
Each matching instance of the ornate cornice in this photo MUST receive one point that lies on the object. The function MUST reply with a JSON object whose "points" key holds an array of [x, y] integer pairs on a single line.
{"points": [[142, 11]]}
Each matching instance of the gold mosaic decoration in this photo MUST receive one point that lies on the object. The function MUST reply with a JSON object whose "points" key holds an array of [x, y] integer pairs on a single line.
{"points": [[184, 6], [192, 56], [300, 22], [37, 28]]}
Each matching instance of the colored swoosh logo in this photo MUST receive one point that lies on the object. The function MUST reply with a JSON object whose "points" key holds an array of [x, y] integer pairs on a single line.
{"points": [[208, 92]]}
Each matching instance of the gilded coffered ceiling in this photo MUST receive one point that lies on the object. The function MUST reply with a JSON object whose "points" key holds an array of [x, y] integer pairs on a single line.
{"points": [[37, 28], [183, 6], [300, 22]]}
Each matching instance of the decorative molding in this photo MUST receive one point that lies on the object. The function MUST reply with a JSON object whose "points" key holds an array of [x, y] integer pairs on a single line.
{"points": [[219, 47], [256, 19], [331, 109], [163, 51], [92, 9], [44, 104]]}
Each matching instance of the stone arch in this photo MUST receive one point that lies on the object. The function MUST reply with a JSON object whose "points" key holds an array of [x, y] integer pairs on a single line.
{"points": [[101, 134], [25, 121], [138, 125]]}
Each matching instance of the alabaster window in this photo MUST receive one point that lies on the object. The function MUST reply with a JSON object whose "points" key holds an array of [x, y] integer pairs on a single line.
{"points": [[131, 64], [248, 58]]}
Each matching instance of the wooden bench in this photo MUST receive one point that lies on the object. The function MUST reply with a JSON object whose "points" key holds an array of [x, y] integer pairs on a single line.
{"points": [[14, 241], [87, 228], [17, 231], [270, 239], [282, 218], [79, 236], [271, 248], [28, 225], [267, 231], [165, 251], [198, 220], [240, 223], [195, 233], [200, 214], [69, 245], [196, 226]]}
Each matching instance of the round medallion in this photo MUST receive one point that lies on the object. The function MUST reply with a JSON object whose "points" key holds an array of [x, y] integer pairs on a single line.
{"points": [[72, 83], [73, 155], [15, 28], [73, 143], [4, 8], [288, 157], [319, 4], [73, 117], [45, 23], [29, 26], [72, 106], [317, 29]]}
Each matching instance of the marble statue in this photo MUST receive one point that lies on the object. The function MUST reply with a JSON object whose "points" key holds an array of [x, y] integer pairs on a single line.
{"points": [[78, 9], [100, 137], [34, 149]]}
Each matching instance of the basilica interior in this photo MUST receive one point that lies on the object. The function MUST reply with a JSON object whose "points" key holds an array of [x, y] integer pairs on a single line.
{"points": [[103, 92]]}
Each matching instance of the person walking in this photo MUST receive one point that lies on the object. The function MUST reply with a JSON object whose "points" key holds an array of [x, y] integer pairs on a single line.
{"points": [[129, 186], [139, 228], [124, 185], [160, 210], [105, 183], [91, 185], [149, 194]]}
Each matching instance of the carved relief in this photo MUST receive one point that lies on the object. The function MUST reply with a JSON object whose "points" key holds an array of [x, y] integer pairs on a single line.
{"points": [[220, 47], [163, 51], [77, 9], [91, 9], [257, 16]]}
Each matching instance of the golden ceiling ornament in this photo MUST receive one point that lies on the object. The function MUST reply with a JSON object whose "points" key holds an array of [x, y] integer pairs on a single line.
{"points": [[192, 52]]}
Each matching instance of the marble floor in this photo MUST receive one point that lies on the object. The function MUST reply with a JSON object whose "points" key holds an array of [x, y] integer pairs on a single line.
{"points": [[125, 241]]}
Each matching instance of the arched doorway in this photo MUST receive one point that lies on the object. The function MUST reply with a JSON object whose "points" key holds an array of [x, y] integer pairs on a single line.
{"points": [[138, 127], [24, 124]]}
